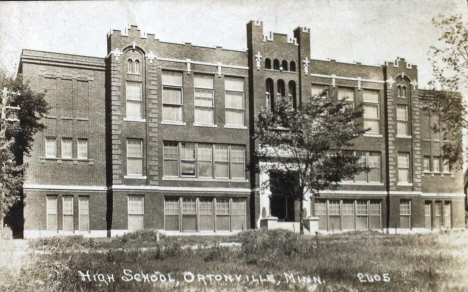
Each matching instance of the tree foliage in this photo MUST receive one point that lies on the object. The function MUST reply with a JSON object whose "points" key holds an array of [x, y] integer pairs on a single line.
{"points": [[305, 148], [16, 138], [450, 83]]}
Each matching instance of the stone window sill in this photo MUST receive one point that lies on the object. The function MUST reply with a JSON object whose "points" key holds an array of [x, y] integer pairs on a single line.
{"points": [[205, 125], [361, 183], [403, 136], [373, 135], [405, 184], [235, 127], [134, 177], [60, 160], [204, 179], [134, 120], [173, 123]]}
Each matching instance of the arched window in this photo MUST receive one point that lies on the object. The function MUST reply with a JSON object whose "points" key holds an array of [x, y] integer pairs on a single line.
{"points": [[403, 91], [137, 66], [267, 63], [129, 66], [399, 90], [270, 94], [281, 92], [284, 65], [292, 66], [292, 93], [276, 64]]}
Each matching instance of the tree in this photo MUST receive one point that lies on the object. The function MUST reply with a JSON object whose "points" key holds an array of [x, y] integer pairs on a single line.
{"points": [[17, 137], [306, 148], [450, 82]]}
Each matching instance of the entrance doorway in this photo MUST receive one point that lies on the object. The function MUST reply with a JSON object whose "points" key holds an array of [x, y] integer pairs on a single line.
{"points": [[283, 207]]}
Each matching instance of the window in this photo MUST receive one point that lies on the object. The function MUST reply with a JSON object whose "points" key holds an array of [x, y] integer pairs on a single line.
{"points": [[348, 214], [281, 90], [437, 215], [205, 214], [204, 99], [172, 96], [371, 160], [403, 91], [292, 66], [196, 160], [371, 111], [187, 159], [82, 148], [133, 93], [270, 94], [83, 210], [446, 165], [428, 215], [402, 120], [171, 159], [136, 212], [447, 215], [137, 66], [436, 163], [399, 90], [284, 64], [234, 101], [221, 161], [405, 214], [129, 66], [67, 213], [135, 157], [276, 64], [403, 167], [205, 157], [51, 148], [267, 63], [348, 95], [67, 149], [51, 213], [171, 212], [318, 90], [427, 164]]}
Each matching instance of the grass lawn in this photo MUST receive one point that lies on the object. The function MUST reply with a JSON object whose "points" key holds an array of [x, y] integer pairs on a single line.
{"points": [[266, 261]]}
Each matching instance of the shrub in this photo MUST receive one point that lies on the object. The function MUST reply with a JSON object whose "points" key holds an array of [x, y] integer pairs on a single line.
{"points": [[269, 246]]}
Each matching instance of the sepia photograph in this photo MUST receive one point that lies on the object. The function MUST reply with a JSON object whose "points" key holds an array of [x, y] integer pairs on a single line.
{"points": [[234, 145]]}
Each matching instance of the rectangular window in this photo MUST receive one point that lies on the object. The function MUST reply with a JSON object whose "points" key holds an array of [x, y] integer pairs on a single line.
{"points": [[67, 213], [436, 163], [135, 157], [133, 93], [171, 213], [136, 212], [82, 149], [221, 161], [447, 215], [237, 161], [446, 166], [318, 90], [172, 96], [371, 111], [222, 214], [171, 159], [234, 101], [348, 215], [51, 213], [334, 212], [403, 167], [205, 157], [427, 164], [371, 160], [320, 210], [405, 214], [51, 148], [189, 214], [375, 213], [187, 159], [437, 215], [402, 120], [67, 148], [348, 95], [428, 215], [83, 210], [362, 213], [239, 211], [206, 211], [204, 99]]}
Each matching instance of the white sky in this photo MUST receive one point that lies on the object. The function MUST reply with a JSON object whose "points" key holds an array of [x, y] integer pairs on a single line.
{"points": [[370, 32]]}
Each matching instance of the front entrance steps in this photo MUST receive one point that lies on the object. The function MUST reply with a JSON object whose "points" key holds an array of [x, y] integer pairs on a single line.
{"points": [[310, 224]]}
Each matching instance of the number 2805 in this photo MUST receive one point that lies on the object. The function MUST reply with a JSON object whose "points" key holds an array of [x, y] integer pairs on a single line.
{"points": [[366, 278]]}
